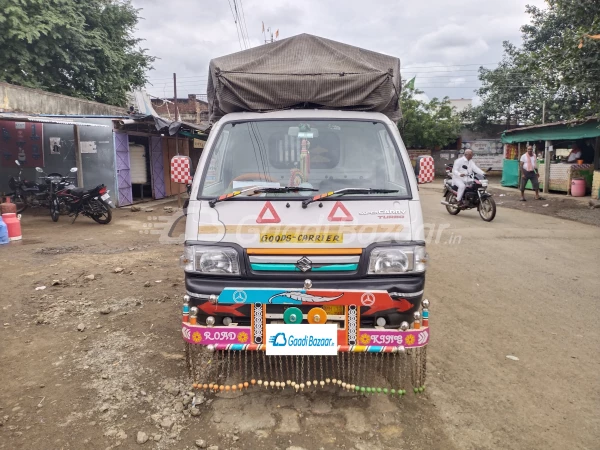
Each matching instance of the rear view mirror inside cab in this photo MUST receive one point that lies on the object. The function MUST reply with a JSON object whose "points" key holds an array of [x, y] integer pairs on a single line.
{"points": [[303, 132]]}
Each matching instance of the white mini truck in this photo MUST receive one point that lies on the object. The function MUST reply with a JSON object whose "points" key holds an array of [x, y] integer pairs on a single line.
{"points": [[305, 256]]}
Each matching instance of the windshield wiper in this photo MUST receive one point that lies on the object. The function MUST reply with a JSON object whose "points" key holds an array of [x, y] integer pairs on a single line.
{"points": [[283, 189], [259, 190], [347, 191]]}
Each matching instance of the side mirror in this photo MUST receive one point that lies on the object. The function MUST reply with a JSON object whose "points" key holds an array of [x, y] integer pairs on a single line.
{"points": [[39, 169], [181, 169], [17, 161], [73, 169]]}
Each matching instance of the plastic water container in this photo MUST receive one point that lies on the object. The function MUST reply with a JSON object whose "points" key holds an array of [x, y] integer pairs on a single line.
{"points": [[578, 187], [3, 233], [13, 224]]}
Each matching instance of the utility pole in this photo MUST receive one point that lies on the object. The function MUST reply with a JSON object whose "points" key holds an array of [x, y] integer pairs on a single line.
{"points": [[175, 95], [176, 134]]}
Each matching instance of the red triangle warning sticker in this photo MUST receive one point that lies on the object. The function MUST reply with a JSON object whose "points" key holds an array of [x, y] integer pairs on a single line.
{"points": [[339, 213], [268, 215]]}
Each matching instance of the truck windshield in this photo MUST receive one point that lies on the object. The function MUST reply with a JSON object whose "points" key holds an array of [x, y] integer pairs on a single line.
{"points": [[321, 155]]}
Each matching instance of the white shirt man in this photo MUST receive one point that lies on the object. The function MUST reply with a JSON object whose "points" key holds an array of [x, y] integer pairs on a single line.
{"points": [[574, 155], [459, 173], [528, 173]]}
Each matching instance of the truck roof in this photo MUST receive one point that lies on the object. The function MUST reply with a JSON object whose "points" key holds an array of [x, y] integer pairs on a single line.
{"points": [[304, 71], [290, 114]]}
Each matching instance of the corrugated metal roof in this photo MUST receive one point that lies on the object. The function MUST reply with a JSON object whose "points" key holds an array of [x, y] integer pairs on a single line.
{"points": [[553, 124], [25, 118]]}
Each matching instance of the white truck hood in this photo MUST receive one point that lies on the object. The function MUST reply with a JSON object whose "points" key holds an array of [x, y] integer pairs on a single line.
{"points": [[339, 223]]}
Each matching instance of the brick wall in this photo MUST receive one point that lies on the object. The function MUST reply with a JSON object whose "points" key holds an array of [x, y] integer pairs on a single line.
{"points": [[34, 101], [191, 109]]}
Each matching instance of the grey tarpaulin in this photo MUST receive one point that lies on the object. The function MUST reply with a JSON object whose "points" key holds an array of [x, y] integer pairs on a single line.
{"points": [[304, 71]]}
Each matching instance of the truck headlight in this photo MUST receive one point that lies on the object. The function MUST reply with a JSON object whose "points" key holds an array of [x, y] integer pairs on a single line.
{"points": [[394, 260], [210, 260]]}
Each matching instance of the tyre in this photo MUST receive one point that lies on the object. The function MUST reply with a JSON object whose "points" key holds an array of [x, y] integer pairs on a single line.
{"points": [[451, 198], [55, 210], [19, 201], [102, 212], [487, 209]]}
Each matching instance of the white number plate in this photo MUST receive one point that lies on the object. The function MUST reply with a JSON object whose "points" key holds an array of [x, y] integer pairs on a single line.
{"points": [[105, 197]]}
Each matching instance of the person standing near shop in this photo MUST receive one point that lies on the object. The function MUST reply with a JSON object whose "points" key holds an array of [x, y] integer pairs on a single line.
{"points": [[529, 173]]}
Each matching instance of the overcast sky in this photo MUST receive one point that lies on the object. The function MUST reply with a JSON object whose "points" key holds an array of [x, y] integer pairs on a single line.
{"points": [[442, 42]]}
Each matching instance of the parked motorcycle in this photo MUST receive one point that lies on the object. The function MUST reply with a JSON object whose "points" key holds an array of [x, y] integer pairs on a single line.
{"points": [[475, 196], [30, 194], [68, 199]]}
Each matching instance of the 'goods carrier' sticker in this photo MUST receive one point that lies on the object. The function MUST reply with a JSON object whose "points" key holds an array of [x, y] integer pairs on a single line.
{"points": [[302, 238]]}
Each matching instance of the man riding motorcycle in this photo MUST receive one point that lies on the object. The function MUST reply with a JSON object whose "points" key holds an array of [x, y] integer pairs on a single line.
{"points": [[458, 172]]}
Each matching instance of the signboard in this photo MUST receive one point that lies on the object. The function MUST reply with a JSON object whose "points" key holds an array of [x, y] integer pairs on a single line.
{"points": [[22, 141], [486, 153], [88, 147], [301, 339]]}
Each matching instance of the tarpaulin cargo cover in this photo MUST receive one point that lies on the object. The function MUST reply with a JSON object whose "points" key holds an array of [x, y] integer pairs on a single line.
{"points": [[304, 71]]}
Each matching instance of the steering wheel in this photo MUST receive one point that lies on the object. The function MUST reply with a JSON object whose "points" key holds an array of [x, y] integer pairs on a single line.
{"points": [[251, 176]]}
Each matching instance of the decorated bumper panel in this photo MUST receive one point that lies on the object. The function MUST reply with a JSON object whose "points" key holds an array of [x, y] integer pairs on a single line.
{"points": [[370, 340]]}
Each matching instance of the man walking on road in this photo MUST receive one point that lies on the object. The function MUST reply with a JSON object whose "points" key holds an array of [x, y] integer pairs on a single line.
{"points": [[459, 172], [529, 173]]}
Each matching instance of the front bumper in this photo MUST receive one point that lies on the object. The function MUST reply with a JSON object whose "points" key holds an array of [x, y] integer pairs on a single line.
{"points": [[367, 340], [396, 299], [252, 309]]}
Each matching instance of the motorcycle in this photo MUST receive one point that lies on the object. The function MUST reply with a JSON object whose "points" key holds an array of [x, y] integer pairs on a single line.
{"points": [[475, 196], [30, 194], [68, 199]]}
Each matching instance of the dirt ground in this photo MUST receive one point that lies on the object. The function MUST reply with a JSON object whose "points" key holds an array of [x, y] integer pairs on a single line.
{"points": [[555, 205], [525, 285]]}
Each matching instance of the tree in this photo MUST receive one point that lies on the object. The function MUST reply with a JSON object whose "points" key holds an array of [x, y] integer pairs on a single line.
{"points": [[81, 48], [558, 65], [427, 125]]}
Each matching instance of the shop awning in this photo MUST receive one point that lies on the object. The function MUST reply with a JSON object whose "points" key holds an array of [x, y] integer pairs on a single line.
{"points": [[559, 131], [161, 125]]}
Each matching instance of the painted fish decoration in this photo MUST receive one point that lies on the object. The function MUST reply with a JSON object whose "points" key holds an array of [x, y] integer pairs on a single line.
{"points": [[306, 298]]}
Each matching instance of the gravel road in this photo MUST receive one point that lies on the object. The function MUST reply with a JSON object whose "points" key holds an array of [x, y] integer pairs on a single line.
{"points": [[97, 363]]}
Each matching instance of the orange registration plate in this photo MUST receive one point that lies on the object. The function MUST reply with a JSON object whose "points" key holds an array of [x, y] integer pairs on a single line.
{"points": [[334, 310]]}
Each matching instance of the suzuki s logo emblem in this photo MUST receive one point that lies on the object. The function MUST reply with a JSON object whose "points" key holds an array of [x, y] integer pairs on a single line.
{"points": [[304, 264]]}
